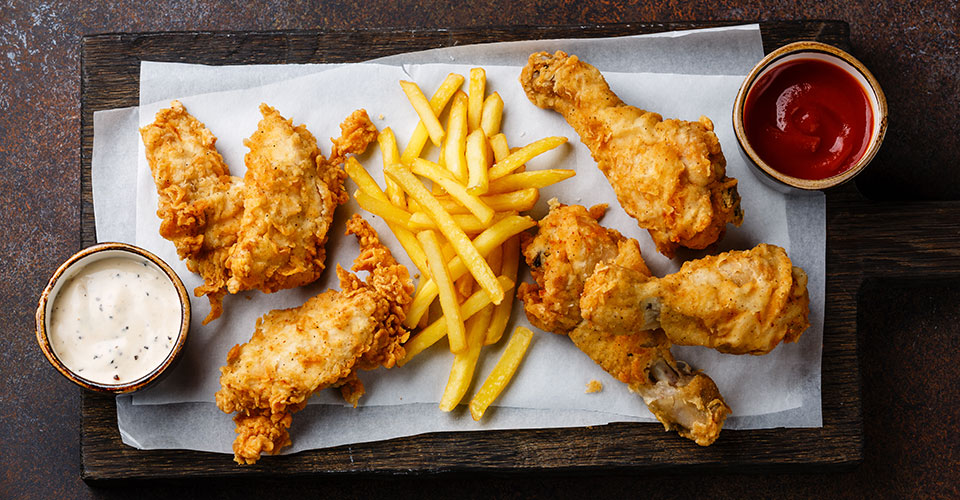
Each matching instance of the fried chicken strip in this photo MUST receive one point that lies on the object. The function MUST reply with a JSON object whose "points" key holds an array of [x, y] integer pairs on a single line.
{"points": [[569, 245], [738, 302], [670, 175], [200, 203], [290, 194], [323, 343]]}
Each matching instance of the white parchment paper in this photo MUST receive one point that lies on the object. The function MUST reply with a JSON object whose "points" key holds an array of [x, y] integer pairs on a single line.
{"points": [[780, 389]]}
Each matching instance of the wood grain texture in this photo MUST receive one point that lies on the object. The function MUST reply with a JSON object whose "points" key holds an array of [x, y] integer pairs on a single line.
{"points": [[864, 240]]}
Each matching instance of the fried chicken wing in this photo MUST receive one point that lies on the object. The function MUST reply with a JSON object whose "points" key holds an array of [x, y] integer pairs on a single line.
{"points": [[738, 302], [670, 175], [562, 256], [296, 352], [266, 231], [200, 204]]}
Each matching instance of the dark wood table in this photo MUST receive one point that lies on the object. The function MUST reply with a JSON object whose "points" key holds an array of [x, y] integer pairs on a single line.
{"points": [[908, 334]]}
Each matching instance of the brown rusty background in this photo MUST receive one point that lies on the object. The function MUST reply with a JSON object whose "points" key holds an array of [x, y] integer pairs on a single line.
{"points": [[909, 353]]}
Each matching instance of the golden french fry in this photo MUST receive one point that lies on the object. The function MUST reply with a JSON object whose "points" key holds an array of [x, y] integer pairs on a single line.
{"points": [[453, 147], [484, 243], [383, 209], [464, 364], [513, 201], [438, 329], [498, 144], [477, 87], [445, 179], [504, 370], [523, 155], [468, 222], [509, 265], [424, 111], [471, 257], [437, 103], [464, 285], [448, 298], [478, 161], [492, 114], [530, 179], [388, 150], [407, 240]]}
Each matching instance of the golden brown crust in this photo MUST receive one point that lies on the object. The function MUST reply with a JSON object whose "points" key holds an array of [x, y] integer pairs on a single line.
{"points": [[296, 352], [266, 231], [565, 255], [670, 175]]}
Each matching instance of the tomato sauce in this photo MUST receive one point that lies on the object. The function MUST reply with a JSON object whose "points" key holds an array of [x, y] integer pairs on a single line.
{"points": [[808, 119]]}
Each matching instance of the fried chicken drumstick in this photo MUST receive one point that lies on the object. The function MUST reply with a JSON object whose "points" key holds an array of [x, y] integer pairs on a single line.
{"points": [[670, 175], [738, 302], [569, 245], [266, 231], [323, 343]]}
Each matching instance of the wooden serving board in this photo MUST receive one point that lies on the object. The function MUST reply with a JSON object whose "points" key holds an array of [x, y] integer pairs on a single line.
{"points": [[865, 240]]}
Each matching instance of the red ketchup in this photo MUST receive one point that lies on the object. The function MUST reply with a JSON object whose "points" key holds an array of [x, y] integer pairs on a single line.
{"points": [[808, 118]]}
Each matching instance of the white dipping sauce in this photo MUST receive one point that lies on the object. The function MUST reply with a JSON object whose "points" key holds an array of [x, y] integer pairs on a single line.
{"points": [[115, 320]]}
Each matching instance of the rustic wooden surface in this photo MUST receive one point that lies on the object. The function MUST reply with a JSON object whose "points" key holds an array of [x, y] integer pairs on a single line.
{"points": [[110, 69]]}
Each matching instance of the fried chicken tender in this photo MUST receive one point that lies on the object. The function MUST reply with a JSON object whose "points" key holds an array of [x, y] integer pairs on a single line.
{"points": [[569, 245], [266, 231], [296, 352], [738, 302], [200, 204], [670, 175]]}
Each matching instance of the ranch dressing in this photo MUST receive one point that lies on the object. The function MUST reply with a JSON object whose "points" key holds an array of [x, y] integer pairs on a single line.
{"points": [[115, 320]]}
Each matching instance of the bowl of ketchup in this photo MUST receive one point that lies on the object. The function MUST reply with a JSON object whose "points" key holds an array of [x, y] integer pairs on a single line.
{"points": [[808, 117]]}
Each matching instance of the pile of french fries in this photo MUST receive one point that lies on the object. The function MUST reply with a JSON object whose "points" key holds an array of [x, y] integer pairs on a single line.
{"points": [[462, 232]]}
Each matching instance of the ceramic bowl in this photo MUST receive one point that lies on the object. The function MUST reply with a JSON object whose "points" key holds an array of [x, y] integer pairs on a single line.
{"points": [[66, 271], [810, 50]]}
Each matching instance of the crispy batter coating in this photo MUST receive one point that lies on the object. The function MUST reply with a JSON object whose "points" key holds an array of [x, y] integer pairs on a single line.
{"points": [[200, 203], [296, 352], [266, 231], [670, 175], [738, 302], [569, 245], [290, 194]]}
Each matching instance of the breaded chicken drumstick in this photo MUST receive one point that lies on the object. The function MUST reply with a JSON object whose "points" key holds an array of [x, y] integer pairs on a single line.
{"points": [[323, 343], [670, 175], [569, 245], [738, 302]]}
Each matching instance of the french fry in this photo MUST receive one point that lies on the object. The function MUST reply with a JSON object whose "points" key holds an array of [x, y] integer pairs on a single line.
{"points": [[383, 209], [468, 222], [464, 363], [530, 179], [509, 265], [523, 155], [437, 103], [477, 88], [453, 147], [484, 243], [424, 111], [445, 179], [389, 153], [438, 329], [407, 240], [448, 299], [498, 143], [504, 370], [464, 285], [492, 114], [472, 259], [513, 201], [478, 161]]}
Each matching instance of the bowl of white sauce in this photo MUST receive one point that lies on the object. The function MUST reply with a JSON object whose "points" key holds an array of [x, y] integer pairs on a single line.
{"points": [[113, 318]]}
